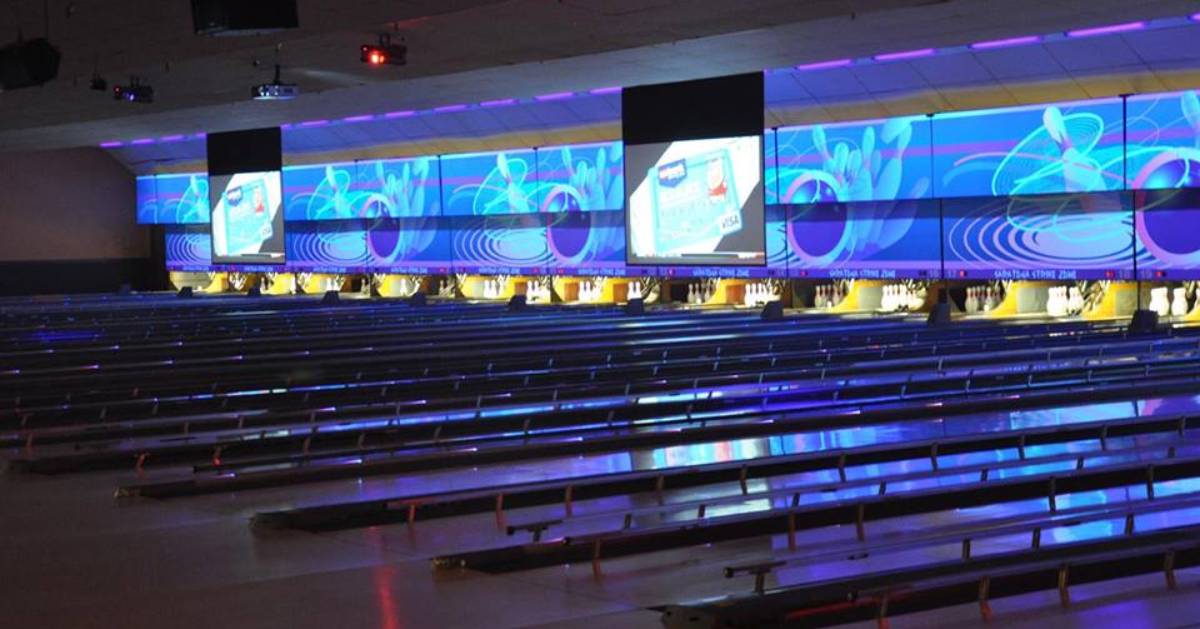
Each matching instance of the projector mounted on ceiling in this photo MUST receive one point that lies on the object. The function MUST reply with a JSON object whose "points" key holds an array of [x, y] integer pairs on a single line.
{"points": [[135, 92], [275, 90], [383, 53]]}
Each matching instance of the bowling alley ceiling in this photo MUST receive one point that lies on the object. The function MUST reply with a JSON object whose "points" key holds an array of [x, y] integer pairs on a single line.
{"points": [[487, 51]]}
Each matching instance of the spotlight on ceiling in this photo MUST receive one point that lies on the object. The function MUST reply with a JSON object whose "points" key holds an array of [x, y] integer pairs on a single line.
{"points": [[135, 92], [383, 53], [275, 90]]}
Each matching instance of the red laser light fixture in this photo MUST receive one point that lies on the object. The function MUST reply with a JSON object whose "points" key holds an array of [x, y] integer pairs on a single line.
{"points": [[384, 53]]}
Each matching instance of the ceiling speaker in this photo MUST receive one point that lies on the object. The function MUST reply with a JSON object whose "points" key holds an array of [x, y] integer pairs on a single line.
{"points": [[28, 63], [243, 17]]}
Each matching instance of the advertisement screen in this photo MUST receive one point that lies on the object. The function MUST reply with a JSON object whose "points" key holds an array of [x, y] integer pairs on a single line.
{"points": [[696, 202], [247, 218]]}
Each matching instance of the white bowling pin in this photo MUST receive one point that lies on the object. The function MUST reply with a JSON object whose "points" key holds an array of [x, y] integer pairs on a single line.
{"points": [[1179, 302], [1159, 302]]}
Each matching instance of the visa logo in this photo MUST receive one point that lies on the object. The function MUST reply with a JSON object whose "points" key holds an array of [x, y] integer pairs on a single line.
{"points": [[671, 173]]}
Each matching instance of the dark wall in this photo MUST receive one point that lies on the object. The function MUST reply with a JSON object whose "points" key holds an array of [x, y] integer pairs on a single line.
{"points": [[67, 224]]}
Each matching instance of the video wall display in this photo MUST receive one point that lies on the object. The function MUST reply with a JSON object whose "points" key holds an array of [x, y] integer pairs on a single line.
{"points": [[1045, 237], [1167, 235], [1054, 191], [247, 218], [776, 241], [1164, 141], [173, 199], [881, 160], [363, 189], [586, 177], [587, 243], [485, 184], [696, 202], [409, 245], [501, 245], [339, 246], [872, 240], [188, 248], [1043, 149]]}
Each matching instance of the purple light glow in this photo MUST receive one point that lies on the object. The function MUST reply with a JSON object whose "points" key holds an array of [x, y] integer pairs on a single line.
{"points": [[445, 108], [1107, 30], [170, 138], [503, 102], [313, 123], [601, 91], [825, 65], [1196, 17], [362, 118], [1005, 43], [399, 114], [554, 96], [141, 141], [907, 54], [285, 126], [111, 144]]}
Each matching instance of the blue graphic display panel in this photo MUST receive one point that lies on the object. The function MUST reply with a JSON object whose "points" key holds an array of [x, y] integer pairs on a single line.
{"points": [[324, 246], [173, 199], [365, 189], [1046, 237], [777, 240], [591, 243], [409, 245], [1164, 141], [872, 240], [147, 200], [484, 184], [580, 177], [1168, 239], [770, 169], [1043, 149], [188, 248], [881, 160], [509, 244]]}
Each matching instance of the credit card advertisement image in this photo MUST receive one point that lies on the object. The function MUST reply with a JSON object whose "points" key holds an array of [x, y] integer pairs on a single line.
{"points": [[247, 224], [697, 202]]}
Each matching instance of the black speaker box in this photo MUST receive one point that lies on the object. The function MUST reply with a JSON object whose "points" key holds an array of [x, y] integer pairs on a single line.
{"points": [[1143, 322], [635, 306], [940, 315], [28, 63], [773, 311], [243, 17], [516, 303]]}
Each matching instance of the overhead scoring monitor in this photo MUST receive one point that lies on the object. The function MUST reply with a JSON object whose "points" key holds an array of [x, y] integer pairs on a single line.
{"points": [[693, 163], [246, 197]]}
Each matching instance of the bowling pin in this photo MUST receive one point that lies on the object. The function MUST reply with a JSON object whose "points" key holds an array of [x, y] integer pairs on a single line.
{"points": [[1179, 302], [1159, 302], [1075, 301]]}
